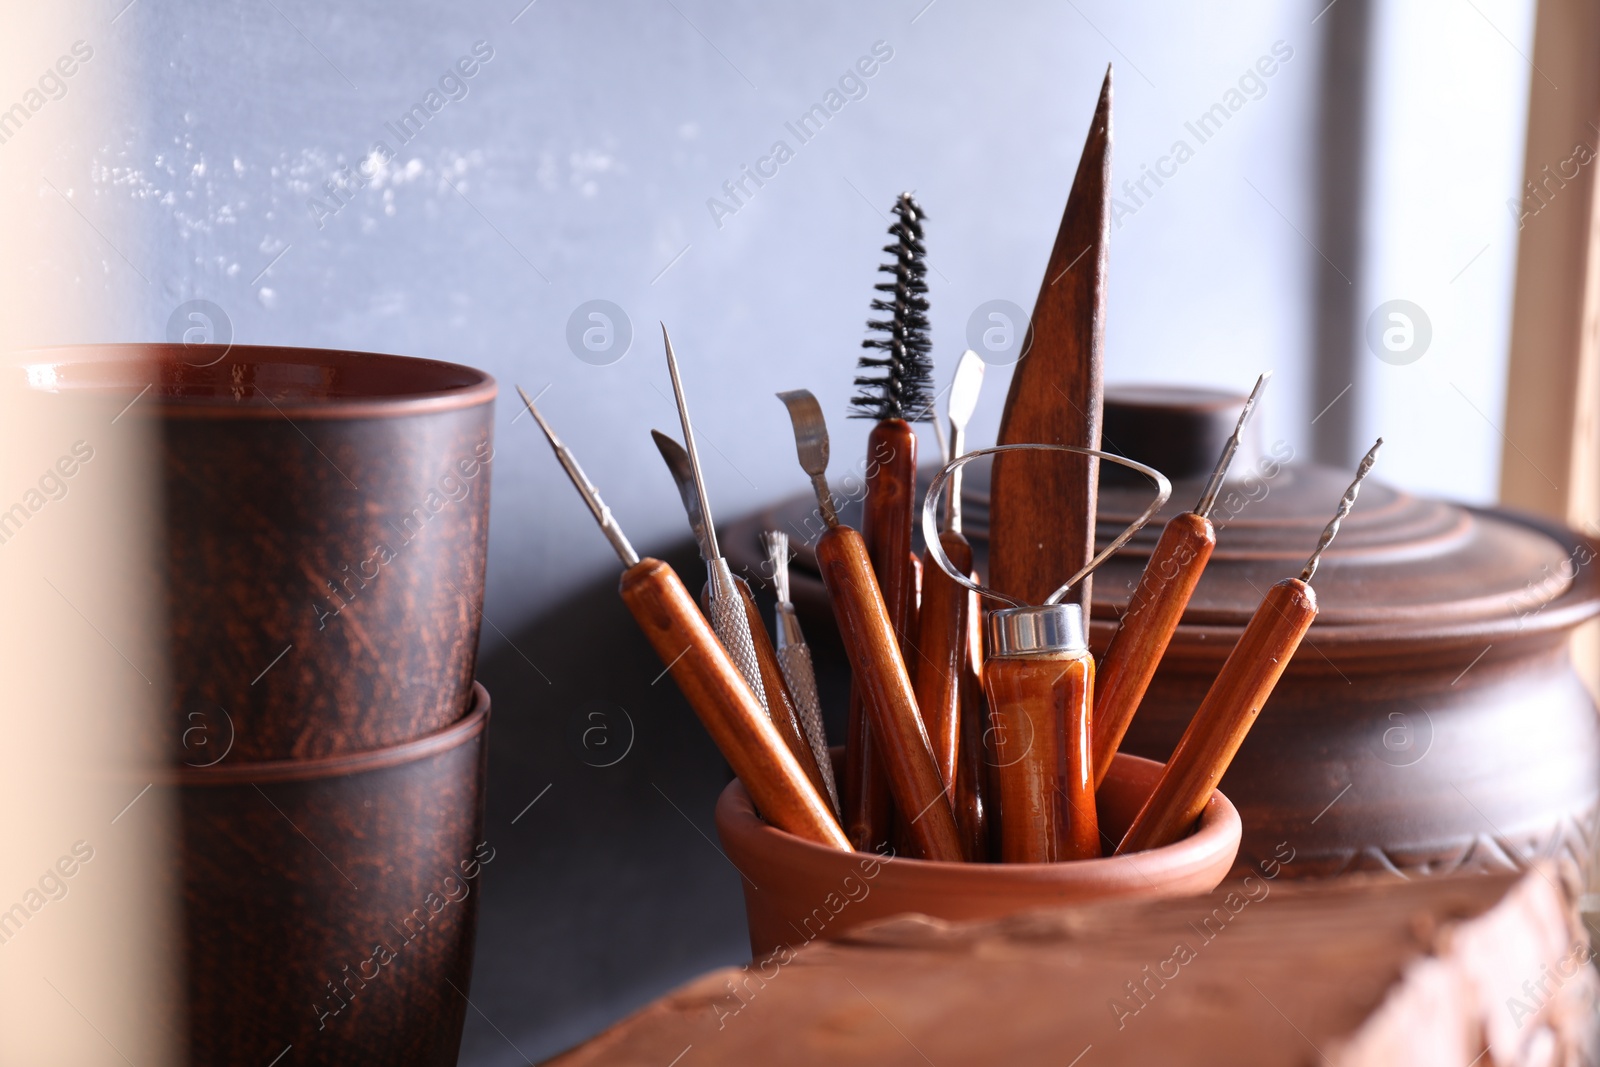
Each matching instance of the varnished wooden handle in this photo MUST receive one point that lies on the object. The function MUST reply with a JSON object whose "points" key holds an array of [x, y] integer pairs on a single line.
{"points": [[971, 801], [941, 654], [887, 700], [1039, 709], [886, 525], [726, 706], [1157, 604], [1225, 716], [780, 702]]}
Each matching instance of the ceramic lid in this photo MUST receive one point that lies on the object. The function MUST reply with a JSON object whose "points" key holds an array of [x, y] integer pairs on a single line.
{"points": [[1399, 561]]}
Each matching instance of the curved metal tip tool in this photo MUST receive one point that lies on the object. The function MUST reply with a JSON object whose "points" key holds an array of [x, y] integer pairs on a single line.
{"points": [[1346, 502], [811, 444], [1208, 499], [683, 475], [586, 489]]}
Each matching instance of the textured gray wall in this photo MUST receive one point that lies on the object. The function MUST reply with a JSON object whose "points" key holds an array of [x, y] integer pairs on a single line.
{"points": [[579, 166]]}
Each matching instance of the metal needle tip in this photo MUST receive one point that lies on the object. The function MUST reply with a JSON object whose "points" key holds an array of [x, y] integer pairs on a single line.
{"points": [[1346, 502], [586, 489], [1208, 499]]}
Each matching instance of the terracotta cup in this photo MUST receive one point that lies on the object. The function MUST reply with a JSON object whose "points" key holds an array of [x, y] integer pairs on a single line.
{"points": [[326, 521], [796, 892], [330, 904]]}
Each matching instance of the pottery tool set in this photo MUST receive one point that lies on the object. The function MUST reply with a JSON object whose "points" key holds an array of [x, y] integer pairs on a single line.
{"points": [[973, 735]]}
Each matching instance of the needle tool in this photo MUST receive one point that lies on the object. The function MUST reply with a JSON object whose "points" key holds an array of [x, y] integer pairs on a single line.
{"points": [[1236, 696], [700, 666], [1156, 607]]}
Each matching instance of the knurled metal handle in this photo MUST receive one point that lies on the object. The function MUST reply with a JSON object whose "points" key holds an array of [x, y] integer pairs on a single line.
{"points": [[732, 625], [795, 662]]}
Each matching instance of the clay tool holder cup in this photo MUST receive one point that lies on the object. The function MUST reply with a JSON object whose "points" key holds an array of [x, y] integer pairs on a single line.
{"points": [[1039, 679], [326, 521], [796, 892]]}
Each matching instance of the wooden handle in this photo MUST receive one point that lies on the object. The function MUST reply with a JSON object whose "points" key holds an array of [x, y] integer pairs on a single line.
{"points": [[887, 519], [1039, 710], [1225, 716], [887, 701], [1157, 604], [726, 706], [971, 801], [941, 654], [780, 702]]}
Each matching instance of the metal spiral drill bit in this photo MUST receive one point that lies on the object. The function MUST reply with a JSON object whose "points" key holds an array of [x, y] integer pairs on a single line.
{"points": [[1346, 502]]}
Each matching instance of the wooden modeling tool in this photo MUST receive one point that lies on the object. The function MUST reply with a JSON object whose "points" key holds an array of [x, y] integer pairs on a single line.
{"points": [[780, 702], [1039, 678], [1236, 696], [943, 631], [1042, 510], [1157, 606], [794, 657], [879, 676], [701, 667], [726, 606], [894, 391]]}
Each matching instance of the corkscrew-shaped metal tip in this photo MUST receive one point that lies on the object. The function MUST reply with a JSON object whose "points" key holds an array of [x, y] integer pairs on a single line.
{"points": [[776, 544], [1346, 502], [1208, 499], [586, 489]]}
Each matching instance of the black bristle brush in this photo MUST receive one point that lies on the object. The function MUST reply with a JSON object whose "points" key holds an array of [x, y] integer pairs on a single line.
{"points": [[897, 394]]}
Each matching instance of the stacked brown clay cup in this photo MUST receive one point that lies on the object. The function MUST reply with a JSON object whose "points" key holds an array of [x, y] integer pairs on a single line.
{"points": [[326, 525]]}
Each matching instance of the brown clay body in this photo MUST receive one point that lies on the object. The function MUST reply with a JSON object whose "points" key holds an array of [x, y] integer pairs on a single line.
{"points": [[1126, 667], [1039, 708], [797, 892], [331, 904], [1241, 689], [743, 733], [326, 532], [878, 674]]}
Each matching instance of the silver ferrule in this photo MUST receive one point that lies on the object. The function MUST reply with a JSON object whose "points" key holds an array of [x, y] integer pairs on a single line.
{"points": [[719, 580], [787, 627], [1036, 631]]}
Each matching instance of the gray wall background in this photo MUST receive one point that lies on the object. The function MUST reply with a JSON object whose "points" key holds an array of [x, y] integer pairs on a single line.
{"points": [[578, 166]]}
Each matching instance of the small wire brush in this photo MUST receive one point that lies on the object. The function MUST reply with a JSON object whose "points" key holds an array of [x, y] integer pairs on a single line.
{"points": [[904, 389]]}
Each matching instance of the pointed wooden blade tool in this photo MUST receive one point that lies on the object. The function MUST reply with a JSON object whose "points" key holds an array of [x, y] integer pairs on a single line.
{"points": [[1042, 505]]}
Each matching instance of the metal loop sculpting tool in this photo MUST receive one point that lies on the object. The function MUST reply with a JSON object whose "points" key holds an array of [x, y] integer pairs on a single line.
{"points": [[708, 679], [727, 610], [1039, 678]]}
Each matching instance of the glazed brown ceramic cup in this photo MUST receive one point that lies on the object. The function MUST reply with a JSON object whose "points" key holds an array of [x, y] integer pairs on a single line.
{"points": [[326, 521], [796, 892], [330, 904]]}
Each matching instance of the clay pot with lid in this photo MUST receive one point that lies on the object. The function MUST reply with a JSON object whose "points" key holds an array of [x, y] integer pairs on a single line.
{"points": [[1432, 721]]}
